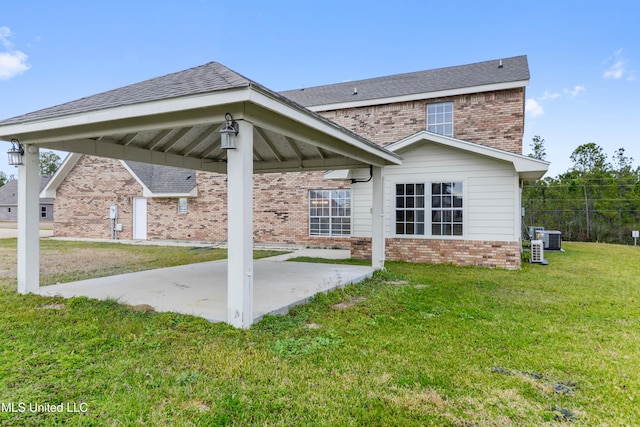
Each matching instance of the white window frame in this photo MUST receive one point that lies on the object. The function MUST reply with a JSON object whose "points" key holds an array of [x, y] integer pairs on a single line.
{"points": [[330, 212], [183, 205], [439, 117], [447, 205], [424, 221], [43, 211]]}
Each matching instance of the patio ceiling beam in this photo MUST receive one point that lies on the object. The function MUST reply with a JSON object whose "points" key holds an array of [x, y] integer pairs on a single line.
{"points": [[128, 139], [287, 127], [157, 139], [269, 144], [294, 147], [115, 151], [174, 139], [198, 140]]}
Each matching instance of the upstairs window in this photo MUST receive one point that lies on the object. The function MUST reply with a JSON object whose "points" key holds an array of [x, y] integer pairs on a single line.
{"points": [[440, 118]]}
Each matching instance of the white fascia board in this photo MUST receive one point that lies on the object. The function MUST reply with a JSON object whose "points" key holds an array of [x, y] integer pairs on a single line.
{"points": [[338, 175], [310, 120], [67, 165], [420, 96], [523, 165], [151, 108], [192, 194]]}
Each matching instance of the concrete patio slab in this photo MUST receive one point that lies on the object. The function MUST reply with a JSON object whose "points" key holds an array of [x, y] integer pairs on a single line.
{"points": [[201, 289]]}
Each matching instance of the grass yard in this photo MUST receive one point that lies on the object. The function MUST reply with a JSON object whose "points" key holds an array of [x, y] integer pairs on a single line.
{"points": [[415, 345]]}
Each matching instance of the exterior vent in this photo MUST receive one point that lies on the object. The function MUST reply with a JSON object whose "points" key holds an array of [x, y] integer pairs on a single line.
{"points": [[537, 252]]}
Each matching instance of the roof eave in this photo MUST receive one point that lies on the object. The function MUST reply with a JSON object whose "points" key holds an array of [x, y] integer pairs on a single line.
{"points": [[526, 167], [420, 96]]}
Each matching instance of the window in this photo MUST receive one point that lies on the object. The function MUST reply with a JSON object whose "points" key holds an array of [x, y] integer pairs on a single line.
{"points": [[330, 212], [182, 205], [446, 209], [410, 209], [444, 203], [8, 209], [440, 118], [43, 211]]}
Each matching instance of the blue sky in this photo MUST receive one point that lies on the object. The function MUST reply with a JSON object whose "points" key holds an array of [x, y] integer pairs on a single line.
{"points": [[584, 57]]}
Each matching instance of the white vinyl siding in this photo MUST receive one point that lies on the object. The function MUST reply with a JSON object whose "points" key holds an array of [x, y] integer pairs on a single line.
{"points": [[491, 209]]}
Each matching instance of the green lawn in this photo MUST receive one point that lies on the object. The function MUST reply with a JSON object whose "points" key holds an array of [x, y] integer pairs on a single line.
{"points": [[415, 345]]}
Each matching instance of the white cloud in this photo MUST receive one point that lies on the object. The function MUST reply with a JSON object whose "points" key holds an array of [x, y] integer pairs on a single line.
{"points": [[532, 107], [575, 91], [548, 95], [619, 68], [12, 62]]}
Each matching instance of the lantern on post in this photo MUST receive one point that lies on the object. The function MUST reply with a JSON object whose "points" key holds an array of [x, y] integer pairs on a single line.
{"points": [[16, 153], [229, 133]]}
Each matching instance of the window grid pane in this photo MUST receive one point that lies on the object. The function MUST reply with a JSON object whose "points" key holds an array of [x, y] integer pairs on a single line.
{"points": [[440, 118], [330, 212], [410, 209], [446, 209]]}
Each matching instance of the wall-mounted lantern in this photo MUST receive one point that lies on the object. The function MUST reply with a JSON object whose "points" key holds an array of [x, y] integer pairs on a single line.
{"points": [[16, 153], [229, 133]]}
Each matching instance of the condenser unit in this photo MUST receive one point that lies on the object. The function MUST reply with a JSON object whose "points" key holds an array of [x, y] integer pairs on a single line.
{"points": [[552, 239], [537, 252]]}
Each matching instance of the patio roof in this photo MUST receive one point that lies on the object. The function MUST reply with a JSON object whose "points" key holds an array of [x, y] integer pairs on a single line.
{"points": [[175, 120]]}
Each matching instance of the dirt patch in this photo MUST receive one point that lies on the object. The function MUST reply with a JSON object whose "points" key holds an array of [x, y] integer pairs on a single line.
{"points": [[72, 262], [346, 304], [142, 308]]}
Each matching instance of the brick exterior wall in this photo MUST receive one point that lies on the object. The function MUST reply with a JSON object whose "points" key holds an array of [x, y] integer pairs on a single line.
{"points": [[460, 252], [280, 206], [83, 199], [494, 119]]}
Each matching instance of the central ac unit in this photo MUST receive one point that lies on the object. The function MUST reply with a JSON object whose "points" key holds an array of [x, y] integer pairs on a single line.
{"points": [[552, 239], [537, 251]]}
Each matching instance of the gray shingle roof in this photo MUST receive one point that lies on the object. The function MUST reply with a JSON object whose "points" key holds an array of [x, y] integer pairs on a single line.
{"points": [[463, 76], [164, 179], [9, 192], [209, 77]]}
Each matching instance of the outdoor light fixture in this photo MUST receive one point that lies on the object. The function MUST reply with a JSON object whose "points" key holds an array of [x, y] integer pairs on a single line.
{"points": [[15, 153], [229, 133]]}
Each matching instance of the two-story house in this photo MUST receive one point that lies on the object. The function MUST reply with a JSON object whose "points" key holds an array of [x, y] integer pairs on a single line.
{"points": [[455, 198]]}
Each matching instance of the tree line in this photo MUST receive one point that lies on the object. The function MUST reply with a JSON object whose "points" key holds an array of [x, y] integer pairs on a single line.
{"points": [[597, 199]]}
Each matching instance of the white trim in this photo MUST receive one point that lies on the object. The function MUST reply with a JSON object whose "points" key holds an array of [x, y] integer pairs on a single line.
{"points": [[526, 167], [67, 165], [419, 96], [128, 112]]}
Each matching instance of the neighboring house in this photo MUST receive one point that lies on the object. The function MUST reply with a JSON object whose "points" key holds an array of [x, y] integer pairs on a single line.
{"points": [[9, 201], [455, 198]]}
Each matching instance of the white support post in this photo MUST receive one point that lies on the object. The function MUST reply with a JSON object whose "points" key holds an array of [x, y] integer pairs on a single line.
{"points": [[240, 229], [377, 226], [29, 221]]}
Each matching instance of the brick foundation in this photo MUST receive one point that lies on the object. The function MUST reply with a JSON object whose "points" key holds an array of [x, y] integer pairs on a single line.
{"points": [[460, 252]]}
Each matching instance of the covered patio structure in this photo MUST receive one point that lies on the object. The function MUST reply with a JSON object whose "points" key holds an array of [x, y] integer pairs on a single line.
{"points": [[176, 120]]}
